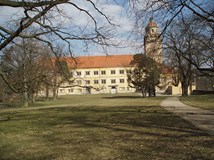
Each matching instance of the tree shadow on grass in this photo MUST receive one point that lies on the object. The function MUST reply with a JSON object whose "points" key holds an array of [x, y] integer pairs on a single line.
{"points": [[164, 128], [11, 152], [149, 117], [127, 130], [139, 117], [123, 97], [122, 130]]}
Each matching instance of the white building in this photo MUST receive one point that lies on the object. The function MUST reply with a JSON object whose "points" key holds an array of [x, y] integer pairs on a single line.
{"points": [[99, 74]]}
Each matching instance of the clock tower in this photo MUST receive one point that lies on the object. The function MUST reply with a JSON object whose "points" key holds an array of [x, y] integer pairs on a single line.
{"points": [[153, 42]]}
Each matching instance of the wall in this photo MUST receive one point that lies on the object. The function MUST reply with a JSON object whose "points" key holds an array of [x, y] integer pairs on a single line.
{"points": [[177, 90], [116, 81]]}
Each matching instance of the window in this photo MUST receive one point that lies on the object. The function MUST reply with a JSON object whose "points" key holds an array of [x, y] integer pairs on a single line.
{"points": [[121, 71], [103, 81], [62, 90], [87, 82], [113, 81], [79, 82], [72, 73], [112, 71], [70, 90], [122, 81], [96, 81], [87, 73], [79, 73], [103, 72], [95, 72], [128, 71]]}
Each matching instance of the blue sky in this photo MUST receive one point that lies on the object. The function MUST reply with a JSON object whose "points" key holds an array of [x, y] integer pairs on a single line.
{"points": [[119, 16], [116, 10]]}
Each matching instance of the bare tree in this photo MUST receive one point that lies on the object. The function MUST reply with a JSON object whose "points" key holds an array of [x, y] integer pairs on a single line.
{"points": [[198, 14], [4, 92], [48, 20], [23, 68], [168, 10], [182, 51], [53, 22]]}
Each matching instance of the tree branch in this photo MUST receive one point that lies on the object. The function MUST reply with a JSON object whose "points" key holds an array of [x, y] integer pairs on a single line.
{"points": [[30, 4], [25, 24]]}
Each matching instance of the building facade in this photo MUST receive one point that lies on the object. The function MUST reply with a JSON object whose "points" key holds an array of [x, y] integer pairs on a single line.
{"points": [[98, 74]]}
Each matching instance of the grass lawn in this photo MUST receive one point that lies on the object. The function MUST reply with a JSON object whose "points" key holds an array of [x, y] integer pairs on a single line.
{"points": [[201, 101], [100, 127]]}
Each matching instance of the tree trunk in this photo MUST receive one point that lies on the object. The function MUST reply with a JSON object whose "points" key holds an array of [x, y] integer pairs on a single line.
{"points": [[36, 96], [154, 93], [55, 89], [150, 92], [185, 89], [25, 94], [47, 92], [190, 88], [54, 92], [57, 92], [33, 98], [143, 92], [3, 95], [25, 103]]}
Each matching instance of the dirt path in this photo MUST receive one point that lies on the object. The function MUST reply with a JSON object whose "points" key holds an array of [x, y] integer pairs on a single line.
{"points": [[202, 119]]}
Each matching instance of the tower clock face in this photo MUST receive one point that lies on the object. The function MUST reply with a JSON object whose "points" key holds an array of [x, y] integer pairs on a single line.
{"points": [[153, 30]]}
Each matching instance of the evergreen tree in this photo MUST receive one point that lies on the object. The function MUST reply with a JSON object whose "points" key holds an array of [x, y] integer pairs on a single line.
{"points": [[145, 74]]}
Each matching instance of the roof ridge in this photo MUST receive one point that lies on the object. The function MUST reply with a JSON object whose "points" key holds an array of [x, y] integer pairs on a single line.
{"points": [[131, 54], [102, 61]]}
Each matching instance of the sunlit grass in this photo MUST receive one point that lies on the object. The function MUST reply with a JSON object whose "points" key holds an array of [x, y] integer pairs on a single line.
{"points": [[102, 100], [201, 101]]}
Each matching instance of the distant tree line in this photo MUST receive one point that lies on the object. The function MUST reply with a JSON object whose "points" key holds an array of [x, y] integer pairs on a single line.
{"points": [[29, 68]]}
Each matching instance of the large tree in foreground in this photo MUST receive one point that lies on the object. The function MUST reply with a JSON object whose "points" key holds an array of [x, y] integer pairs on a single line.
{"points": [[52, 21], [144, 75]]}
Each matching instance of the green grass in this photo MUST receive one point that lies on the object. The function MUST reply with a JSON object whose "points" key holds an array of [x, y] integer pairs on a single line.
{"points": [[201, 101], [100, 100], [119, 127]]}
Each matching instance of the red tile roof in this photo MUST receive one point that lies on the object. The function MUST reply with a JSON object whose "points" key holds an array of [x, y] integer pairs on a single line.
{"points": [[107, 61], [166, 70]]}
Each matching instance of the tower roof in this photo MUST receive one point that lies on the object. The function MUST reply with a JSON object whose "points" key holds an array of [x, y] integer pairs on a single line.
{"points": [[151, 23]]}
